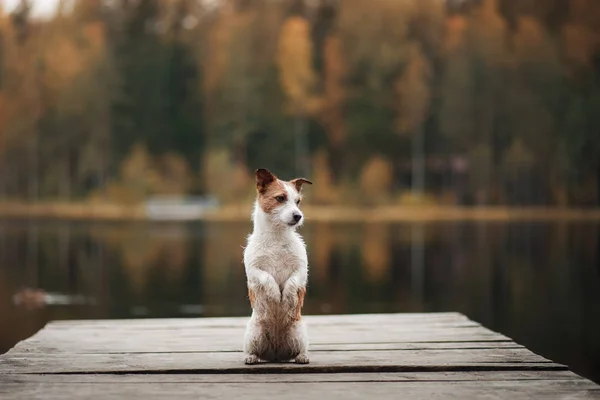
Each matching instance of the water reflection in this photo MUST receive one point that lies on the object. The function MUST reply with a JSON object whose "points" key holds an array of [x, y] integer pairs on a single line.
{"points": [[537, 282]]}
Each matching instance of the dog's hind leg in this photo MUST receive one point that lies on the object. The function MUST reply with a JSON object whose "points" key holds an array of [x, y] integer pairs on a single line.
{"points": [[301, 340], [252, 339]]}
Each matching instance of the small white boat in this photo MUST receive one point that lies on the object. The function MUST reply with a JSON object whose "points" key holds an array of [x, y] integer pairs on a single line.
{"points": [[179, 208]]}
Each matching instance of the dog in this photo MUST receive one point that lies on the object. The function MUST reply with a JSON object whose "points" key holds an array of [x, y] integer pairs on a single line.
{"points": [[276, 267]]}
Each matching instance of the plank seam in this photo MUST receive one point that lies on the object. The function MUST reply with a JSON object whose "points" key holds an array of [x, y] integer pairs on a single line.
{"points": [[325, 381], [516, 347], [549, 366]]}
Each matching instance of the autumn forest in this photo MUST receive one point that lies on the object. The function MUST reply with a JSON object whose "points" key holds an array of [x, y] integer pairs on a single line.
{"points": [[464, 102]]}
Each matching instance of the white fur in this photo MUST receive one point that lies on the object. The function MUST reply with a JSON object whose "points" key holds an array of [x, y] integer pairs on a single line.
{"points": [[276, 268]]}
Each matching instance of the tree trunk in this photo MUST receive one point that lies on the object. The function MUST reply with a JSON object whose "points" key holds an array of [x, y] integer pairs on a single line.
{"points": [[301, 146], [418, 163], [597, 183]]}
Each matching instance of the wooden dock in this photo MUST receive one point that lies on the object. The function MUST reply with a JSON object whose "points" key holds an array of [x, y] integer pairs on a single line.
{"points": [[382, 356]]}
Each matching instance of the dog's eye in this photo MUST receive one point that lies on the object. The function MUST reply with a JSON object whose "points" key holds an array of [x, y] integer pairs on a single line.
{"points": [[298, 202], [280, 199]]}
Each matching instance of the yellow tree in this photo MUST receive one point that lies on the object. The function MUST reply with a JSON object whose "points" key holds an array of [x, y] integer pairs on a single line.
{"points": [[297, 79], [213, 57], [414, 97], [76, 83], [581, 34], [3, 102], [375, 42], [334, 94], [20, 83], [374, 33], [294, 60], [241, 90]]}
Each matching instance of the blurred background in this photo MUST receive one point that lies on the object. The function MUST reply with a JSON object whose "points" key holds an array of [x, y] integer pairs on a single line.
{"points": [[130, 130]]}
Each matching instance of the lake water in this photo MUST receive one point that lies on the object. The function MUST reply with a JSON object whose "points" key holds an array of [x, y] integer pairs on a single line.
{"points": [[538, 283]]}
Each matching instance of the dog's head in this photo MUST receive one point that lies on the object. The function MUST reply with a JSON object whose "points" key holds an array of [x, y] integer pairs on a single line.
{"points": [[280, 200]]}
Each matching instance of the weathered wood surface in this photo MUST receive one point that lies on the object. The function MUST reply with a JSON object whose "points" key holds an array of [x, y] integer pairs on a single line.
{"points": [[460, 390], [359, 356], [388, 332]]}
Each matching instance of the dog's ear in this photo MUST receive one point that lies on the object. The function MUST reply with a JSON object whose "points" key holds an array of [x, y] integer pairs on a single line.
{"points": [[263, 179], [298, 182]]}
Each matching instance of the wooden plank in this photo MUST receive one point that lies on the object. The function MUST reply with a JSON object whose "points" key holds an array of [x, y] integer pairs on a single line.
{"points": [[364, 321], [172, 346], [232, 341], [324, 361], [479, 376], [350, 319], [513, 390], [62, 330], [212, 335]]}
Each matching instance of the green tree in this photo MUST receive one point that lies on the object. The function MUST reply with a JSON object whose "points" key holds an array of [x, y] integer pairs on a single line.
{"points": [[471, 104], [375, 46], [157, 75]]}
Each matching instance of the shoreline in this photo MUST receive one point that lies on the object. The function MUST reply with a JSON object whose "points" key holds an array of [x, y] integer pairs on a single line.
{"points": [[241, 213]]}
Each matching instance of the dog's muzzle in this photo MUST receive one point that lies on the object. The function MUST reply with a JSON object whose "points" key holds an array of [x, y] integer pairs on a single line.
{"points": [[297, 218]]}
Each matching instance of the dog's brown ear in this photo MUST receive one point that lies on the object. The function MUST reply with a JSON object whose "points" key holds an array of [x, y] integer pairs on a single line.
{"points": [[298, 182], [264, 178]]}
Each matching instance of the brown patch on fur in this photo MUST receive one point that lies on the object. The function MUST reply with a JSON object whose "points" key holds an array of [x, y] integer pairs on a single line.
{"points": [[298, 182], [264, 178], [267, 198], [252, 297], [301, 294], [269, 187]]}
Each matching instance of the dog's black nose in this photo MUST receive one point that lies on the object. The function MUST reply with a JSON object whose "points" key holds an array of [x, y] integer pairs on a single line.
{"points": [[297, 217]]}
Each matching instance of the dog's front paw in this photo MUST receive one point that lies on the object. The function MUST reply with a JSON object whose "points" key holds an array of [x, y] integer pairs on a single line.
{"points": [[302, 359], [251, 359], [290, 297], [273, 295]]}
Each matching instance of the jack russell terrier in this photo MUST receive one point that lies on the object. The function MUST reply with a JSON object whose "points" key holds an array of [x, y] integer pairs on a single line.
{"points": [[277, 271]]}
